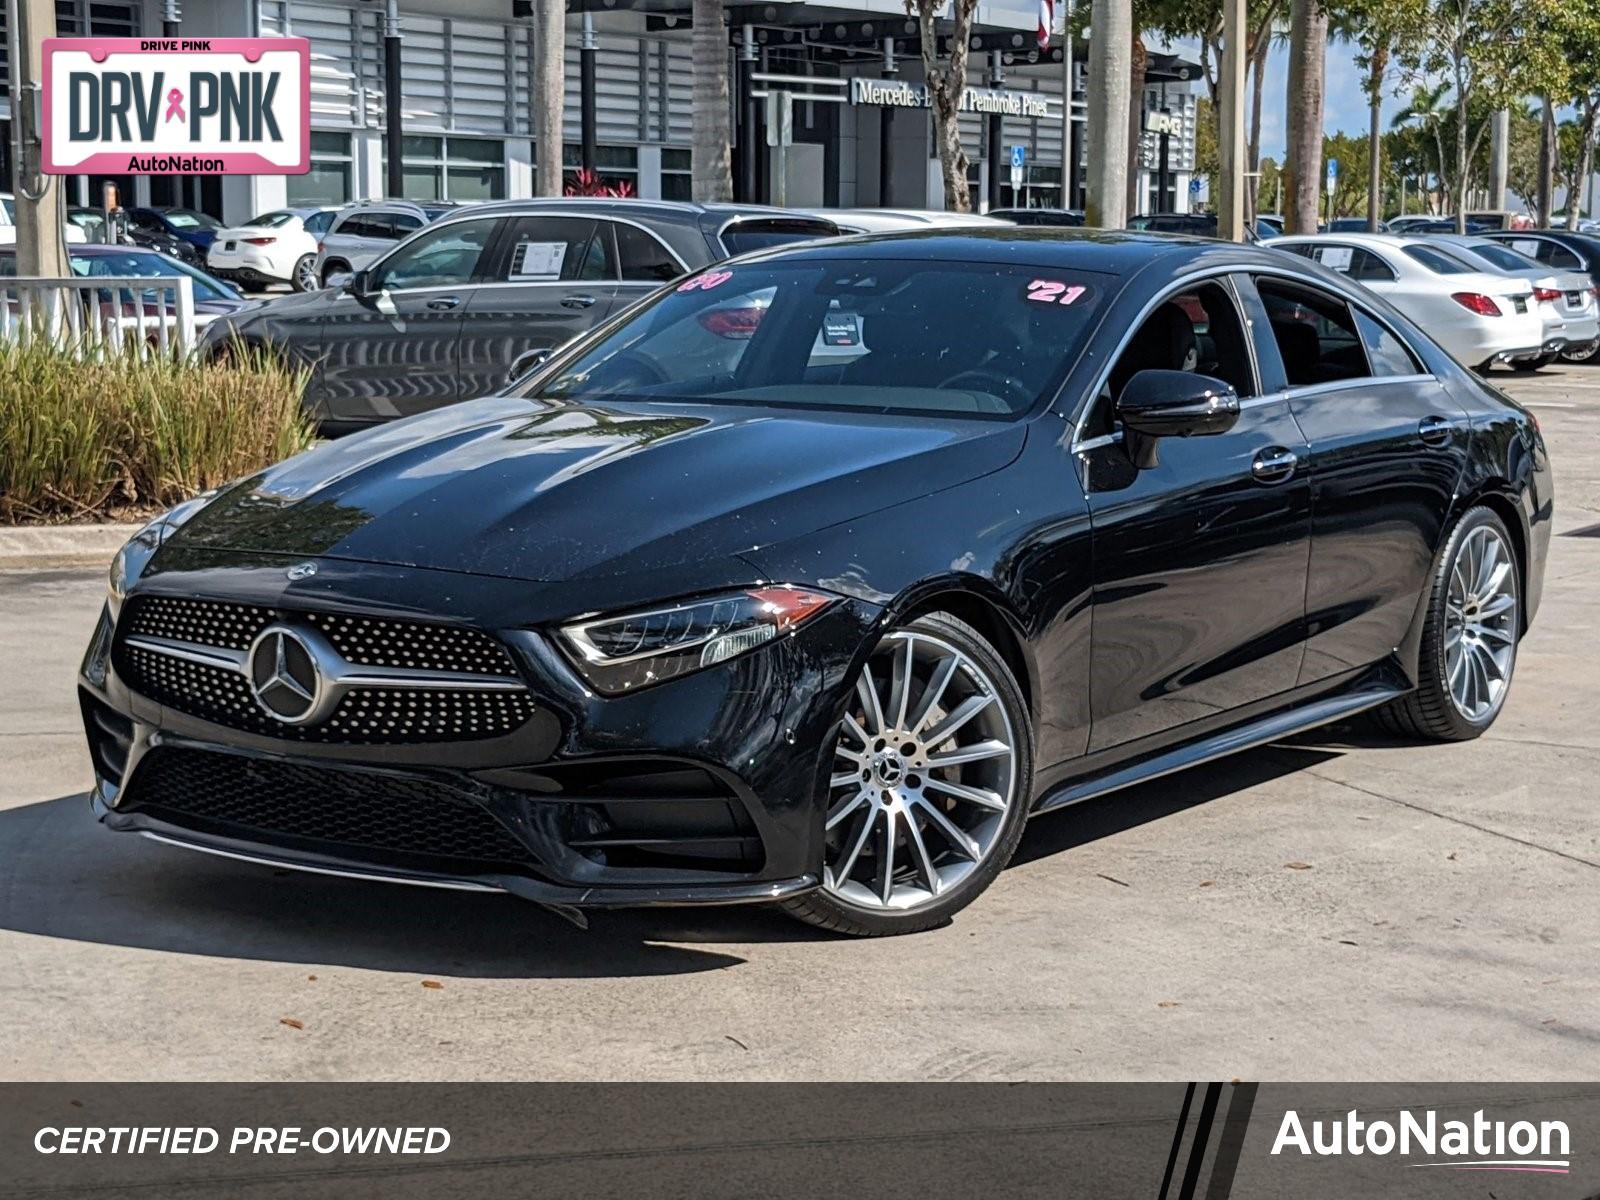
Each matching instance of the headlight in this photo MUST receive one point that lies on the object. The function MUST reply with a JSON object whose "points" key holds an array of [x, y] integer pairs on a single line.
{"points": [[130, 561], [620, 654]]}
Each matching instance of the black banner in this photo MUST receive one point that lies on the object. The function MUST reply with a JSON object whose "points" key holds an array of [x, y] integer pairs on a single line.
{"points": [[1146, 1141]]}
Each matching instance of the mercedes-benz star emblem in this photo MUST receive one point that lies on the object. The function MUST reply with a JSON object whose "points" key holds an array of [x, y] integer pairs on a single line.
{"points": [[285, 677], [303, 570]]}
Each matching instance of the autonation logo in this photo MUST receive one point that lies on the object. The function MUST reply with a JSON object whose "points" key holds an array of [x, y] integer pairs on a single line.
{"points": [[1476, 1145]]}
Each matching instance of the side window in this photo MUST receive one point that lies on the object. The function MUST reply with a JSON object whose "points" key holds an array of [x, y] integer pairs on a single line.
{"points": [[364, 225], [442, 257], [1303, 249], [1386, 353], [403, 225], [644, 259], [550, 250], [1369, 268], [1316, 333], [1197, 330], [317, 223]]}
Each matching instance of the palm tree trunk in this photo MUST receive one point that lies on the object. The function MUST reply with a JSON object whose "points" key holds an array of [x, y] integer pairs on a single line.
{"points": [[1137, 62], [1308, 51], [1258, 78], [1547, 161], [1380, 63], [549, 94], [947, 83], [1585, 164], [711, 164], [1110, 32]]}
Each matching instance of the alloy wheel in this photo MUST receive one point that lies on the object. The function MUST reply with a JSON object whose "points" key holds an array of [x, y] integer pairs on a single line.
{"points": [[305, 274], [924, 776], [1480, 642]]}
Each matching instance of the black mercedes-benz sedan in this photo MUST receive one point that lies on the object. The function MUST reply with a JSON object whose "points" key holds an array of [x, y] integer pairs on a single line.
{"points": [[816, 574]]}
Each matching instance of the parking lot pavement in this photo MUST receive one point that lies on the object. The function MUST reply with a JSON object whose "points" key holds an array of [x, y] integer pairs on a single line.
{"points": [[1340, 907]]}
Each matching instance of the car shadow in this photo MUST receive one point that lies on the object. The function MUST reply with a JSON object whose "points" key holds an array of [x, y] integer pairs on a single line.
{"points": [[63, 875]]}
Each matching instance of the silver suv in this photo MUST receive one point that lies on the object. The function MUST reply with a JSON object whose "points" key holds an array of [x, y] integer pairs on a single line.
{"points": [[369, 228]]}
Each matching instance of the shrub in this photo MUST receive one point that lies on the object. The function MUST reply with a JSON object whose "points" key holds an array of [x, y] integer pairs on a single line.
{"points": [[87, 440]]}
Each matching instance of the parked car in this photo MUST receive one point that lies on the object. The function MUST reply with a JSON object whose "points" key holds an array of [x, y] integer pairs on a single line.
{"points": [[890, 220], [689, 617], [91, 222], [1560, 250], [276, 247], [361, 232], [1193, 224], [1352, 225], [1480, 316], [474, 299], [1565, 299], [1268, 225], [70, 233], [193, 230], [1410, 223], [212, 297], [1066, 217]]}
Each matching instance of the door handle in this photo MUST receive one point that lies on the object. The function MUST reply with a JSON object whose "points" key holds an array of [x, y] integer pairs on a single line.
{"points": [[1435, 431], [577, 301], [444, 303], [1274, 464]]}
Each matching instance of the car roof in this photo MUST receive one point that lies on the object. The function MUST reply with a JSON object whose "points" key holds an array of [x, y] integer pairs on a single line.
{"points": [[1388, 241]]}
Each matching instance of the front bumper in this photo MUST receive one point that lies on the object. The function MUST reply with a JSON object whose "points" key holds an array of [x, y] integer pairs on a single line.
{"points": [[708, 789]]}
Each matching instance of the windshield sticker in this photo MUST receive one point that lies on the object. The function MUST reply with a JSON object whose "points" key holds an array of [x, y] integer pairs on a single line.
{"points": [[704, 283], [1050, 291]]}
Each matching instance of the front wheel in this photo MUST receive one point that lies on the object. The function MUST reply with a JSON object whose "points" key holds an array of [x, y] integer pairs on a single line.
{"points": [[1469, 638], [932, 771], [304, 277]]}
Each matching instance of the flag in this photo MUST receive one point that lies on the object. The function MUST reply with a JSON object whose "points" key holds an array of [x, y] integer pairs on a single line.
{"points": [[1047, 21]]}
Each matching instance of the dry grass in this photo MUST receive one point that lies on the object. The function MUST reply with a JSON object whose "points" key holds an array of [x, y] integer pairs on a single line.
{"points": [[91, 440]]}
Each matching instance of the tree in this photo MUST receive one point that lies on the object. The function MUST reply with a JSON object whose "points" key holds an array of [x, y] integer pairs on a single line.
{"points": [[1373, 25], [1489, 52], [711, 164], [549, 94], [1428, 112], [946, 81], [1578, 31], [1308, 51]]}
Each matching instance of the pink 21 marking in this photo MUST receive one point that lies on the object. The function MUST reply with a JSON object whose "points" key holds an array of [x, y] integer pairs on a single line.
{"points": [[1047, 291]]}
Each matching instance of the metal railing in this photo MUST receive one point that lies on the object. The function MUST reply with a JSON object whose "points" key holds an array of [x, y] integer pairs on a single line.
{"points": [[94, 316]]}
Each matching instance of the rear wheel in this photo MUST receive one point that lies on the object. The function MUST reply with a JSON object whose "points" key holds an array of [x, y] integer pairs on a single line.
{"points": [[1589, 355], [1469, 640], [932, 772], [304, 277]]}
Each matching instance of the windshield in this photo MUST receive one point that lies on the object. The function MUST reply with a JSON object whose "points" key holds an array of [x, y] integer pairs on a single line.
{"points": [[270, 220], [185, 218], [9, 206], [975, 339], [134, 263]]}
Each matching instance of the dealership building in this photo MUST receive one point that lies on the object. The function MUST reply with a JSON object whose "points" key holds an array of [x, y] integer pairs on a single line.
{"points": [[859, 131]]}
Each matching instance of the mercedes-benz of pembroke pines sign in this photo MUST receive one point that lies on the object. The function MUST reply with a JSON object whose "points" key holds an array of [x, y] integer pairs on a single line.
{"points": [[177, 106]]}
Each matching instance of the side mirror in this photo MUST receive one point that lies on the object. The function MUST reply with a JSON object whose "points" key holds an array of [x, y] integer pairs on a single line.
{"points": [[345, 280], [526, 363], [1161, 404]]}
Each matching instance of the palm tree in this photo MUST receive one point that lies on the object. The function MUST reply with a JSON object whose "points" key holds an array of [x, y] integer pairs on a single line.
{"points": [[712, 166], [1428, 110], [1308, 55]]}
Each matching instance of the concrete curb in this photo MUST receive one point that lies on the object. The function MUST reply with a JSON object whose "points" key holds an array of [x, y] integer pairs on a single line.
{"points": [[32, 547]]}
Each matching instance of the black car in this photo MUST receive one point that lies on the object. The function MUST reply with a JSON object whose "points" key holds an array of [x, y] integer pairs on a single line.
{"points": [[194, 230], [471, 301], [1059, 217], [1560, 250], [812, 577]]}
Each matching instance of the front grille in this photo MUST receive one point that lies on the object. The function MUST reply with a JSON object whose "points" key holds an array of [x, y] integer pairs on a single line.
{"points": [[364, 715], [349, 814]]}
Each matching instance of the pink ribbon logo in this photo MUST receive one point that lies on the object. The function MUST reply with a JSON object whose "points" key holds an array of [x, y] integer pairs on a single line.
{"points": [[175, 105]]}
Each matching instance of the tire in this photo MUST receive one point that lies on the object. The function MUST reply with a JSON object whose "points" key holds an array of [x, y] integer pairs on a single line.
{"points": [[946, 847], [1529, 365], [304, 276], [1589, 356], [1435, 711]]}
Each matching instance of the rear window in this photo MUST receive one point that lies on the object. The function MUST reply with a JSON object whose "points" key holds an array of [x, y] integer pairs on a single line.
{"points": [[1505, 259], [947, 338], [270, 220], [758, 233]]}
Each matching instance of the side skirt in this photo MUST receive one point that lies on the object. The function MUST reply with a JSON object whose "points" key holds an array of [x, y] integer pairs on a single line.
{"points": [[1272, 728]]}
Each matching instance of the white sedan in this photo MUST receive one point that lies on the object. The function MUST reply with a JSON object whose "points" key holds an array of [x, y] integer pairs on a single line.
{"points": [[1479, 317], [277, 247]]}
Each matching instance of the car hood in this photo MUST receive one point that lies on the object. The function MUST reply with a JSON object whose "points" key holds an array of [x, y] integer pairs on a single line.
{"points": [[539, 491]]}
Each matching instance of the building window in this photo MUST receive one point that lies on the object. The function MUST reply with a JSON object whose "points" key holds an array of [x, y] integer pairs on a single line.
{"points": [[1041, 188], [677, 176], [616, 166], [453, 168], [328, 181]]}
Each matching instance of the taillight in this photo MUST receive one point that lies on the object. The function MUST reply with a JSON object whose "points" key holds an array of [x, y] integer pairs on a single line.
{"points": [[1477, 302], [263, 241], [737, 324], [1540, 293]]}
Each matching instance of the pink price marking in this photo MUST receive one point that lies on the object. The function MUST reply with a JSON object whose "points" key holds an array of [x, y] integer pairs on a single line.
{"points": [[704, 283], [1049, 291]]}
